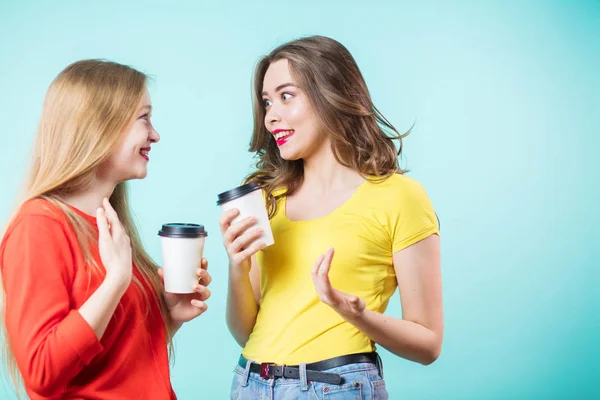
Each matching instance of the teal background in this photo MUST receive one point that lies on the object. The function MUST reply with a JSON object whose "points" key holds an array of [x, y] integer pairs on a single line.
{"points": [[506, 99]]}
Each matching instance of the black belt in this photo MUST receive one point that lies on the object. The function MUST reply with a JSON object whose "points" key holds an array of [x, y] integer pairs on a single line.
{"points": [[268, 370]]}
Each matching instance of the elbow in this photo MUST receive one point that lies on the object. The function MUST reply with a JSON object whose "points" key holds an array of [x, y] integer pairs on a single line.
{"points": [[430, 357], [432, 350], [41, 384], [240, 331], [38, 379], [240, 336], [432, 353]]}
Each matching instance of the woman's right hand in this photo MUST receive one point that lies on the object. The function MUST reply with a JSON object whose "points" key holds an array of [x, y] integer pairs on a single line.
{"points": [[240, 241], [114, 246]]}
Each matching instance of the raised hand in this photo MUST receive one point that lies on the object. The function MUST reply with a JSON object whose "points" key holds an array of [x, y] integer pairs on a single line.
{"points": [[348, 306], [114, 245]]}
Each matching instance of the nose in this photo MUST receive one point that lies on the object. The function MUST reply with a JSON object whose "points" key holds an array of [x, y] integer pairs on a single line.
{"points": [[272, 117], [154, 137]]}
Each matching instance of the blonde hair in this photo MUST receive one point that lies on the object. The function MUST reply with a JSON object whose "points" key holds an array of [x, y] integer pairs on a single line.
{"points": [[87, 108]]}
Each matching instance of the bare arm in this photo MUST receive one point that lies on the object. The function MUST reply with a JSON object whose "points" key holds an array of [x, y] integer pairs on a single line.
{"points": [[243, 300], [418, 335], [243, 297]]}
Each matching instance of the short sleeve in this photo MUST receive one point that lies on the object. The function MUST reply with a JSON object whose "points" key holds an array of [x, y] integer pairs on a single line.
{"points": [[412, 218]]}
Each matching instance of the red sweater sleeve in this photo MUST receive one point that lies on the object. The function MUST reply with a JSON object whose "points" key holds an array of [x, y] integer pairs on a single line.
{"points": [[50, 340]]}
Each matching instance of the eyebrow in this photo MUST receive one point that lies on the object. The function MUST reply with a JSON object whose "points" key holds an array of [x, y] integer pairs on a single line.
{"points": [[278, 88], [147, 107]]}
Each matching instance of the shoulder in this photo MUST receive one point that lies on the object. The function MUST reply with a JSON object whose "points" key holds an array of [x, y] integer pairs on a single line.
{"points": [[41, 208], [41, 211], [397, 190], [39, 236], [38, 217]]}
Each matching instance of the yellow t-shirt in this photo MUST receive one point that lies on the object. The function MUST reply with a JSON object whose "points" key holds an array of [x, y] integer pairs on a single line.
{"points": [[293, 326]]}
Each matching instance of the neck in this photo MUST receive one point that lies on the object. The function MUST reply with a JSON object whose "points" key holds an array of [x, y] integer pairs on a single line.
{"points": [[323, 173], [90, 200]]}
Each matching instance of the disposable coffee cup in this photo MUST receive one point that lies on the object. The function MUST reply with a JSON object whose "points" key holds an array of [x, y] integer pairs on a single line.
{"points": [[249, 200], [182, 247]]}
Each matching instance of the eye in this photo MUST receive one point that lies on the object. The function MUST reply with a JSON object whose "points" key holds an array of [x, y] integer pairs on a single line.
{"points": [[286, 96], [145, 116], [267, 102]]}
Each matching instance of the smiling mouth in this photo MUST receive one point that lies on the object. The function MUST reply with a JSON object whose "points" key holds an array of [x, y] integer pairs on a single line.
{"points": [[144, 153], [282, 136]]}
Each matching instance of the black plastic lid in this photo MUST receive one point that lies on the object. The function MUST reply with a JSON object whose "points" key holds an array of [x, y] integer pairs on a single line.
{"points": [[178, 230], [237, 192]]}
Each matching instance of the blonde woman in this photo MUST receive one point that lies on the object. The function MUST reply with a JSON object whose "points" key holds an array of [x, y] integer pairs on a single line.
{"points": [[85, 313]]}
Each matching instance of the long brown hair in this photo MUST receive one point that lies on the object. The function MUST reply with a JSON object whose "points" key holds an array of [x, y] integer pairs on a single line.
{"points": [[87, 109], [361, 137]]}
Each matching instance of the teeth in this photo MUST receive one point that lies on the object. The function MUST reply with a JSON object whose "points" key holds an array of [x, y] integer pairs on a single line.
{"points": [[283, 134]]}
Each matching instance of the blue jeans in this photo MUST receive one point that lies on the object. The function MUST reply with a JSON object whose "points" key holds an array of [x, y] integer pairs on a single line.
{"points": [[362, 381]]}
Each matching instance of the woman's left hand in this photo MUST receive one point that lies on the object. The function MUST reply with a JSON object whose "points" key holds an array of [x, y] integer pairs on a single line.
{"points": [[184, 307], [348, 306]]}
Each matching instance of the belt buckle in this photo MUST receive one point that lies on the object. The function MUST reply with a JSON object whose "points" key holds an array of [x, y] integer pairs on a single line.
{"points": [[265, 371]]}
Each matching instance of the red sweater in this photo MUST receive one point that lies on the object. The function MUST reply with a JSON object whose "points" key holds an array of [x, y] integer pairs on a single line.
{"points": [[46, 281]]}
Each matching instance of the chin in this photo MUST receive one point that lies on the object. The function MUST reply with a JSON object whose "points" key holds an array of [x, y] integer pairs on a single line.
{"points": [[289, 155], [141, 174]]}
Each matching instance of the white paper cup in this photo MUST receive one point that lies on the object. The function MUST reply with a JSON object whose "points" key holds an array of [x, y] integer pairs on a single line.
{"points": [[182, 248], [249, 200]]}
